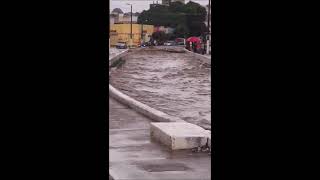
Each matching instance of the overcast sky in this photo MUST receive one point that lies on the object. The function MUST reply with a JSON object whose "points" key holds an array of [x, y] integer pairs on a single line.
{"points": [[140, 5]]}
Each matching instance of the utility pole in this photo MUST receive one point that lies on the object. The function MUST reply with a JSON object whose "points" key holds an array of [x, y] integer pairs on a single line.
{"points": [[130, 26], [142, 34], [109, 24], [142, 39], [208, 38], [131, 23]]}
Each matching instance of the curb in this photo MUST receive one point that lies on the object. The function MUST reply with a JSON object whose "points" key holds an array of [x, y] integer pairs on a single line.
{"points": [[118, 56], [111, 177], [146, 110], [203, 58]]}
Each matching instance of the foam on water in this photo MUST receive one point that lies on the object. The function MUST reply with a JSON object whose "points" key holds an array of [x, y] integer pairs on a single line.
{"points": [[174, 83]]}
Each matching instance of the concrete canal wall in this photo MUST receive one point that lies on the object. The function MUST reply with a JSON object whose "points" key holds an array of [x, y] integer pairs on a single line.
{"points": [[134, 104], [203, 58]]}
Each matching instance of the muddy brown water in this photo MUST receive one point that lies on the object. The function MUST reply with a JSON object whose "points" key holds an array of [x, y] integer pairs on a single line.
{"points": [[175, 83]]}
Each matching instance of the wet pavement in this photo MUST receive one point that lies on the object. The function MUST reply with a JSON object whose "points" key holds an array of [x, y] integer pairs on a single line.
{"points": [[133, 156], [208, 56], [174, 83], [114, 51]]}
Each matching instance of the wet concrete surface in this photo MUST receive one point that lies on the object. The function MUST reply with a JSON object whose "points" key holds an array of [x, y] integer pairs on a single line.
{"points": [[208, 56], [114, 51], [174, 83], [134, 156]]}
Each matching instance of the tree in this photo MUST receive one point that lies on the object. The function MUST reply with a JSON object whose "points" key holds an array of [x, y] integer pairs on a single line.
{"points": [[117, 11], [188, 19], [171, 36], [176, 6], [197, 28], [181, 31], [196, 10], [160, 37]]}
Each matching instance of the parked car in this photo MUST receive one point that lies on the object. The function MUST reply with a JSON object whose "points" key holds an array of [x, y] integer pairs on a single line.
{"points": [[180, 41], [145, 44], [169, 43], [121, 45]]}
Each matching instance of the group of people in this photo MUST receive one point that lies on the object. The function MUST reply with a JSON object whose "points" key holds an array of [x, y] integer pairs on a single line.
{"points": [[196, 47]]}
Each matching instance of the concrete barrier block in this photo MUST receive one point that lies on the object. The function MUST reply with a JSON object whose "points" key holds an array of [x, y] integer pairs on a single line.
{"points": [[179, 135], [206, 139]]}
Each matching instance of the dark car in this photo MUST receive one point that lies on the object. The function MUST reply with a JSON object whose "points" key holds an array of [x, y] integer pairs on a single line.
{"points": [[145, 44], [121, 45]]}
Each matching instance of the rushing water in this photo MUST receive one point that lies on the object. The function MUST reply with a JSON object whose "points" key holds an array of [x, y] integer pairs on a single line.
{"points": [[174, 83]]}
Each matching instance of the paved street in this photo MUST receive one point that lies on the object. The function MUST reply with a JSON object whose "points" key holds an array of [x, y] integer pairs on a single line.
{"points": [[133, 156]]}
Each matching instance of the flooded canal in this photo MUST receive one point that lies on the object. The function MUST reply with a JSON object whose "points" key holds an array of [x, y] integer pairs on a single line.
{"points": [[174, 83]]}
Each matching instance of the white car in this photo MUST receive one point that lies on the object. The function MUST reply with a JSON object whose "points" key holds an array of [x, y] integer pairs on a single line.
{"points": [[121, 45], [169, 43]]}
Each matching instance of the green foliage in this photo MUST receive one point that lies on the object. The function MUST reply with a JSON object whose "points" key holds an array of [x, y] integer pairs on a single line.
{"points": [[176, 7], [188, 19], [171, 36], [181, 31], [160, 36]]}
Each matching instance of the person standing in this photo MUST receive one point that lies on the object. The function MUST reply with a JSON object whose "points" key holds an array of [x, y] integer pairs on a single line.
{"points": [[202, 48], [198, 47]]}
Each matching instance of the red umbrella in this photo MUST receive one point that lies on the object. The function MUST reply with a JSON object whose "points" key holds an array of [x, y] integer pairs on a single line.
{"points": [[193, 39]]}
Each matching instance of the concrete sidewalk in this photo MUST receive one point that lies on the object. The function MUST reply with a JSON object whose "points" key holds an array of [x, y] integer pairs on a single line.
{"points": [[114, 52], [208, 56], [133, 156]]}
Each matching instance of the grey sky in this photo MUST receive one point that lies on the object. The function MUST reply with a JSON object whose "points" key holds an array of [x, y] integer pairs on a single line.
{"points": [[140, 5]]}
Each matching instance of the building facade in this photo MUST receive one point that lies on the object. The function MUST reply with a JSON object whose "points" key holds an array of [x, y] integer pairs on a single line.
{"points": [[167, 30], [121, 33]]}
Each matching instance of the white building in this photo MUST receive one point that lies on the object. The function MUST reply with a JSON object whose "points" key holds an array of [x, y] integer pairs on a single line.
{"points": [[167, 2], [126, 18], [118, 17]]}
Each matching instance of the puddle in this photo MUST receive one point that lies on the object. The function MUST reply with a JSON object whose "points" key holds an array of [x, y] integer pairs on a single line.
{"points": [[164, 167]]}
